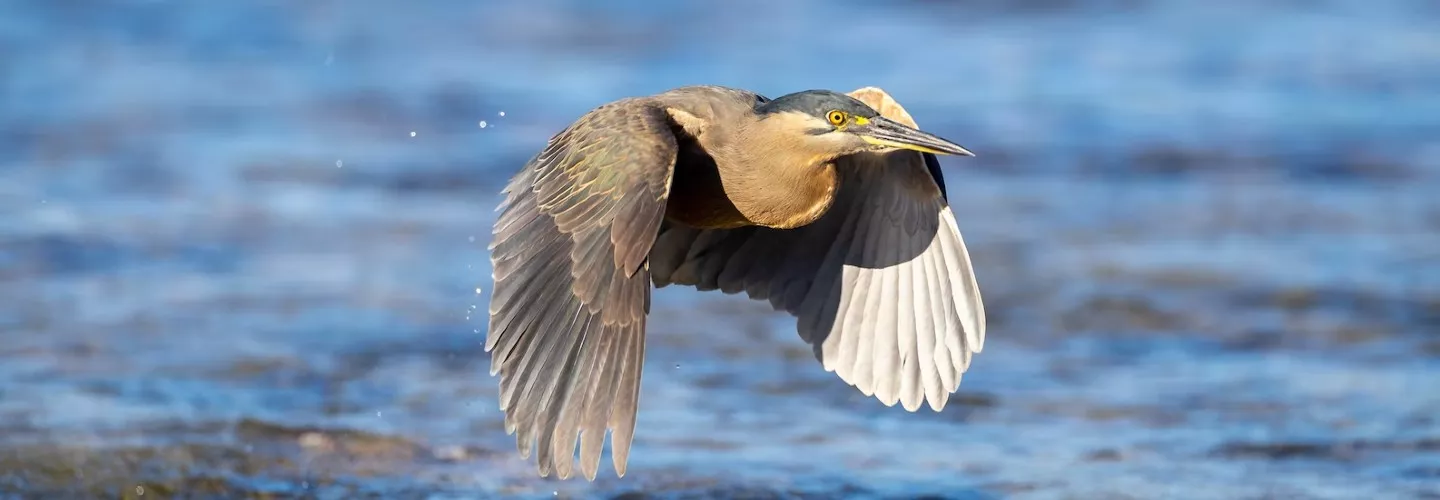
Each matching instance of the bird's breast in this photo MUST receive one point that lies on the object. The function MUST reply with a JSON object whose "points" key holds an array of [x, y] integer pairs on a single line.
{"points": [[697, 195], [782, 191], [798, 200]]}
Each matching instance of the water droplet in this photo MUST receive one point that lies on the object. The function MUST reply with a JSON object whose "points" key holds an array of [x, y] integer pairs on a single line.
{"points": [[502, 113], [477, 292], [412, 133], [483, 124], [677, 366], [472, 238], [339, 163], [140, 490]]}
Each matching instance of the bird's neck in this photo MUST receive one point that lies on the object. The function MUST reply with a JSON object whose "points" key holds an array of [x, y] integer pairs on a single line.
{"points": [[776, 183]]}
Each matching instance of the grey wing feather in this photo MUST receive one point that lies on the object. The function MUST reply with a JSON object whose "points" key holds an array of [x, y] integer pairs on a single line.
{"points": [[882, 285], [567, 316]]}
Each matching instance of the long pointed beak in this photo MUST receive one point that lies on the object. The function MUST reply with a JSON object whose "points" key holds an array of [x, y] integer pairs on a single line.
{"points": [[882, 131]]}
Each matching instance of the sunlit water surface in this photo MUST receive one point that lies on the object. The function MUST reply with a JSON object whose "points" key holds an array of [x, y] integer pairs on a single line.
{"points": [[241, 244]]}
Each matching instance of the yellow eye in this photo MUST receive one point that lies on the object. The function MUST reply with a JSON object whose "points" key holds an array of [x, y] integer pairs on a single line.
{"points": [[836, 117]]}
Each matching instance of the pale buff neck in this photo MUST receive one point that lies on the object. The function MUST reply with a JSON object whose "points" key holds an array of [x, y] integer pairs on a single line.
{"points": [[774, 180]]}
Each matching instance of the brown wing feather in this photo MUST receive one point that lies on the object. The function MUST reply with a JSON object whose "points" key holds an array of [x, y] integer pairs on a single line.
{"points": [[567, 316]]}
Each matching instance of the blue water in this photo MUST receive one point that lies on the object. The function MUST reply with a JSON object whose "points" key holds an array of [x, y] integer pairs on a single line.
{"points": [[242, 248]]}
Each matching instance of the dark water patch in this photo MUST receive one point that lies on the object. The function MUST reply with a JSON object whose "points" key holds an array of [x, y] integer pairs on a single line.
{"points": [[1256, 341], [1154, 416], [450, 179], [1243, 317], [1356, 166], [249, 457], [460, 105], [453, 177], [134, 471], [449, 348], [716, 489], [1019, 488], [1343, 317], [1174, 161], [1105, 455], [1177, 161], [1127, 313], [195, 471], [70, 254], [1323, 450], [1431, 348], [1347, 301], [1023, 8], [1425, 473], [374, 113], [62, 254]]}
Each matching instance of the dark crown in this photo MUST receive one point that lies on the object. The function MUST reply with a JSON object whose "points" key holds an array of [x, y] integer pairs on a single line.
{"points": [[817, 103]]}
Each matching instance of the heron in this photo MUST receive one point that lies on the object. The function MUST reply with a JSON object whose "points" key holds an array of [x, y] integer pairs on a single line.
{"points": [[830, 206]]}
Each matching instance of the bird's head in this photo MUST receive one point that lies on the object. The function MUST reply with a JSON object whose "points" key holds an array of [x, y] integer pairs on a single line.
{"points": [[840, 124]]}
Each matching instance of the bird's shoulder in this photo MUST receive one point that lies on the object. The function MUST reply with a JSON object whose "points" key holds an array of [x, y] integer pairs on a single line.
{"points": [[717, 93], [695, 107], [691, 108]]}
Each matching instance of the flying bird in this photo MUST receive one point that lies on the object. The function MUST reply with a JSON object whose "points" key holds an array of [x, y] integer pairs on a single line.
{"points": [[831, 206]]}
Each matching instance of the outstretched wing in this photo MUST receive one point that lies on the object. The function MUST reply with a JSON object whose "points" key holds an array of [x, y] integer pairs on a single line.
{"points": [[567, 317], [881, 285]]}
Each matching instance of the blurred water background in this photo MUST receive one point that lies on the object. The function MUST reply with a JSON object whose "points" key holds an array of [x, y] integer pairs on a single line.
{"points": [[242, 247]]}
